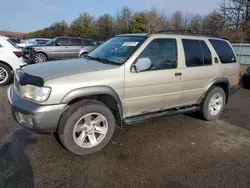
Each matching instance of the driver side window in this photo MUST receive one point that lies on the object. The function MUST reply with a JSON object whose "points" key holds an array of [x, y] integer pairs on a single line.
{"points": [[63, 41], [162, 53]]}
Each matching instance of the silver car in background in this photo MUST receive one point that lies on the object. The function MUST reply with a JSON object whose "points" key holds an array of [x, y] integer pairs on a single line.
{"points": [[58, 48]]}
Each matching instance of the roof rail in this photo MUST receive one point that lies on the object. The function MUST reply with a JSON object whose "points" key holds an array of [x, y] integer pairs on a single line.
{"points": [[187, 32]]}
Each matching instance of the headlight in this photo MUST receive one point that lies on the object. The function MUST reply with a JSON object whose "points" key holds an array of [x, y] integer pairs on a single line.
{"points": [[39, 94]]}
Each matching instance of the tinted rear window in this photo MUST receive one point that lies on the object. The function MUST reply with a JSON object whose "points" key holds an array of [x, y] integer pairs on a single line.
{"points": [[76, 42], [223, 50]]}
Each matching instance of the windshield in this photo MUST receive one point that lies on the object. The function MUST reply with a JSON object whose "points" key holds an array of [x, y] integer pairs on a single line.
{"points": [[31, 41], [117, 50]]}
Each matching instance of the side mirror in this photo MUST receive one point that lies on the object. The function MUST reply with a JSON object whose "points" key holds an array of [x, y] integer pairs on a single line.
{"points": [[142, 64], [57, 43]]}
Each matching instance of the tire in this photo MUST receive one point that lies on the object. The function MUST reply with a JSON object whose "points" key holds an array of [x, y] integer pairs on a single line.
{"points": [[40, 57], [83, 54], [6, 75], [208, 112], [67, 127]]}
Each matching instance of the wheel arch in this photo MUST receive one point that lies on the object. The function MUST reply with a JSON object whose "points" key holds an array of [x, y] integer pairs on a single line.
{"points": [[220, 82], [7, 64], [105, 94]]}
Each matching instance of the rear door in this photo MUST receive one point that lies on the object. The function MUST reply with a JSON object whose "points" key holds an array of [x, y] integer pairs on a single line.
{"points": [[199, 70], [60, 49], [75, 47], [229, 66]]}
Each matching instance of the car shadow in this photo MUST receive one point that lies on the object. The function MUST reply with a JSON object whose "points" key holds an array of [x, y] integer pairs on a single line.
{"points": [[15, 166]]}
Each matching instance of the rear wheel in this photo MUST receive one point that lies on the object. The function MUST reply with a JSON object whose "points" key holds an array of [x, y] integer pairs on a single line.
{"points": [[5, 75], [213, 104], [40, 57], [86, 127], [83, 55]]}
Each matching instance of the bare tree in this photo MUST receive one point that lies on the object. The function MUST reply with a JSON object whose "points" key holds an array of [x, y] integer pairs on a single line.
{"points": [[195, 23], [156, 21], [124, 20], [179, 20], [236, 12], [213, 22]]}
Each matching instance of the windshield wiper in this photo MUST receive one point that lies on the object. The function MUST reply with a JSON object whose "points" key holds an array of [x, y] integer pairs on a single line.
{"points": [[106, 61]]}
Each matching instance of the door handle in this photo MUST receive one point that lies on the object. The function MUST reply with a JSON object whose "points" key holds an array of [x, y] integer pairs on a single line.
{"points": [[178, 74]]}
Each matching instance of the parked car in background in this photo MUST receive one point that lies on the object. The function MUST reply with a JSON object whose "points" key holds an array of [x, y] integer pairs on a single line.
{"points": [[33, 41], [15, 40], [10, 60], [98, 43], [128, 79], [58, 48], [246, 78]]}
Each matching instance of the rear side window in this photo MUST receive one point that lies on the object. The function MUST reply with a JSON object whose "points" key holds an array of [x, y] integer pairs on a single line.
{"points": [[76, 42], [197, 53], [12, 43], [88, 42], [206, 54], [223, 50]]}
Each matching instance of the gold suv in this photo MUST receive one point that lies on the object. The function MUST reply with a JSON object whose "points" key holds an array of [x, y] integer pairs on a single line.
{"points": [[128, 79]]}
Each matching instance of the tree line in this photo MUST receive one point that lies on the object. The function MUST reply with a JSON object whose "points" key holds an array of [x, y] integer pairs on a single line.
{"points": [[230, 20]]}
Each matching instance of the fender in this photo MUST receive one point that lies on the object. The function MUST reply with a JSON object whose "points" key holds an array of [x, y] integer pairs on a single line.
{"points": [[221, 80], [94, 90]]}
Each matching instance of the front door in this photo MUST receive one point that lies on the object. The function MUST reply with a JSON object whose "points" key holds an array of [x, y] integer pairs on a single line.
{"points": [[157, 88], [60, 50]]}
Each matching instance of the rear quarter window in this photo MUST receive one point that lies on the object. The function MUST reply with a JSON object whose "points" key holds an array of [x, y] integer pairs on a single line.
{"points": [[223, 50], [12, 43]]}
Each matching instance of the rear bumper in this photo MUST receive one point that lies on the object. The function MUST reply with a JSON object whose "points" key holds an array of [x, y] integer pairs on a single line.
{"points": [[34, 117], [246, 79], [233, 90]]}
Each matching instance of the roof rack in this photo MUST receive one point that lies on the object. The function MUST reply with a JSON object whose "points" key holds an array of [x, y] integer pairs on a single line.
{"points": [[187, 32]]}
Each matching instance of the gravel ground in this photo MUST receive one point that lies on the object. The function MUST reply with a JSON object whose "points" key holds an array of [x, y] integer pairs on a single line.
{"points": [[176, 152]]}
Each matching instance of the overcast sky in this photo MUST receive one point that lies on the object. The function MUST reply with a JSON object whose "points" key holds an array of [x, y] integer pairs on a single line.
{"points": [[30, 15]]}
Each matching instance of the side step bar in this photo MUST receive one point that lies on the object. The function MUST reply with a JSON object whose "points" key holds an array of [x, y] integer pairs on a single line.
{"points": [[145, 117]]}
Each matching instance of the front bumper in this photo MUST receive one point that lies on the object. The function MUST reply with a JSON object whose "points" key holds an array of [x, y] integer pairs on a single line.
{"points": [[233, 90], [34, 117]]}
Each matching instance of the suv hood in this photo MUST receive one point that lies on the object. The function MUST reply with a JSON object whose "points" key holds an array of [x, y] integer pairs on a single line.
{"points": [[54, 69]]}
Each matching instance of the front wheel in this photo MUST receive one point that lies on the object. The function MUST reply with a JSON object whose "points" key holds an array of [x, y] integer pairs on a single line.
{"points": [[86, 127], [213, 104]]}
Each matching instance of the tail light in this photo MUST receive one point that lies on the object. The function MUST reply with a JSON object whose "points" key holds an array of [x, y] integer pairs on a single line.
{"points": [[240, 74], [18, 54]]}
